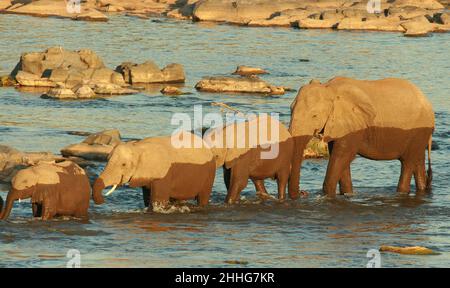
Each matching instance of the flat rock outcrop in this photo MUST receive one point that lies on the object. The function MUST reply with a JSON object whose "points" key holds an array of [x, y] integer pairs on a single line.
{"points": [[238, 85], [321, 14], [96, 146]]}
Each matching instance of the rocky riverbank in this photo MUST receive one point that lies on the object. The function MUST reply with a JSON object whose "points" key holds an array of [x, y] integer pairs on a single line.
{"points": [[412, 17]]}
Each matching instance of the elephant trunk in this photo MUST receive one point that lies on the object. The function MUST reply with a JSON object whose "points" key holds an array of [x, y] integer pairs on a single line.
{"points": [[297, 159], [97, 196]]}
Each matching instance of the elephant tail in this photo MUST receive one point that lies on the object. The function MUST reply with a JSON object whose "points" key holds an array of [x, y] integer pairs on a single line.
{"points": [[430, 171]]}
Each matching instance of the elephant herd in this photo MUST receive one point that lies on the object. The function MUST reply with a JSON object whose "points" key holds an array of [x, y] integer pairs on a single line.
{"points": [[377, 119]]}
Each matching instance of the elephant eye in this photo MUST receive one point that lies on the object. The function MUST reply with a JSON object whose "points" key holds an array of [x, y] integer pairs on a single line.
{"points": [[314, 116], [123, 165]]}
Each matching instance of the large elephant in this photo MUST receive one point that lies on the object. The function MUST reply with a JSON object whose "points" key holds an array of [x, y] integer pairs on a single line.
{"points": [[245, 155], [380, 120], [164, 170], [55, 189]]}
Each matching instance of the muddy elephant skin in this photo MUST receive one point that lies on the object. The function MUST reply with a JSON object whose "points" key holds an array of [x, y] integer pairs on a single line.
{"points": [[55, 189], [388, 119]]}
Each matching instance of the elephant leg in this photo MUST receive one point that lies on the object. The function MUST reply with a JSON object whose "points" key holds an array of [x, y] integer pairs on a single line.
{"points": [[160, 195], [261, 191], [239, 180], [404, 183], [420, 175], [282, 180], [146, 195], [205, 193], [341, 156], [37, 209], [48, 210], [226, 177], [345, 183]]}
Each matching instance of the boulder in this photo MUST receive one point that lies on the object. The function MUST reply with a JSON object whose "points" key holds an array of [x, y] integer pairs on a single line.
{"points": [[286, 18], [7, 81], [425, 4], [185, 11], [407, 12], [28, 79], [418, 27], [381, 24], [60, 93], [149, 72], [84, 92], [247, 70], [52, 8], [97, 146], [316, 149], [442, 18], [41, 64], [238, 85], [73, 68], [12, 160]]}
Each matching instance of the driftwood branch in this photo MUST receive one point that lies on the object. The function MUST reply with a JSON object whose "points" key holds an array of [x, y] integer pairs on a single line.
{"points": [[225, 106]]}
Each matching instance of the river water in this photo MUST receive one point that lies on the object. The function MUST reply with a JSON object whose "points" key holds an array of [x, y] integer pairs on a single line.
{"points": [[312, 232]]}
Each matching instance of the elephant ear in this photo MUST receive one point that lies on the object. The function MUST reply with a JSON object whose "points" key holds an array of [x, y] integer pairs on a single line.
{"points": [[153, 163], [352, 111]]}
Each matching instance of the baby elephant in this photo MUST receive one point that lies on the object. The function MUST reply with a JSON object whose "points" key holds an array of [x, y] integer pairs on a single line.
{"points": [[256, 149], [172, 167], [55, 189]]}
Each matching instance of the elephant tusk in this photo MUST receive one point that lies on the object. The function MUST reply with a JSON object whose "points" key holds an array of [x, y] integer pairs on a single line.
{"points": [[112, 190], [20, 200]]}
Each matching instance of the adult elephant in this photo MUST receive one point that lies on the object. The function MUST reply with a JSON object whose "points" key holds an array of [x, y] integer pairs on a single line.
{"points": [[172, 167], [380, 120], [258, 148], [55, 189]]}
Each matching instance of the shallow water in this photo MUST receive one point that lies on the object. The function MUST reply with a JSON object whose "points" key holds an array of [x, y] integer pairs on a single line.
{"points": [[313, 232]]}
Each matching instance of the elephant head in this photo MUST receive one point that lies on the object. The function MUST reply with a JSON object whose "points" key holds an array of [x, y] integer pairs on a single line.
{"points": [[333, 109], [122, 163], [134, 162], [23, 186]]}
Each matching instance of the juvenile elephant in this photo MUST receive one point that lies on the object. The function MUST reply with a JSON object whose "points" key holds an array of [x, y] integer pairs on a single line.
{"points": [[163, 167], [380, 120], [55, 189], [256, 149]]}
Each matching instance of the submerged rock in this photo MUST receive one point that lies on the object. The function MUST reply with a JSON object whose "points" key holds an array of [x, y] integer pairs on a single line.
{"points": [[171, 90], [247, 70], [238, 85], [97, 146], [112, 89]]}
